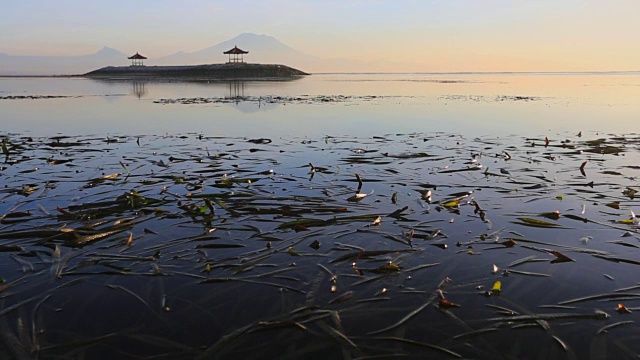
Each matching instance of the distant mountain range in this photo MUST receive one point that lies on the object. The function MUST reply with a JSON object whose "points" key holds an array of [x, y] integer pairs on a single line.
{"points": [[59, 65], [262, 49]]}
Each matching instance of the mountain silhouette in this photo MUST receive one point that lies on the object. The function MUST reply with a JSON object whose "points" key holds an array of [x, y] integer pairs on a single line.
{"points": [[59, 65], [267, 49], [263, 49]]}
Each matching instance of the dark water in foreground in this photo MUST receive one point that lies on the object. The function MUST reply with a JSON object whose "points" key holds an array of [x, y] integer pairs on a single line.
{"points": [[189, 223]]}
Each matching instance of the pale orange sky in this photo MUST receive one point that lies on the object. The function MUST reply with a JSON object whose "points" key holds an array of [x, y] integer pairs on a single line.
{"points": [[428, 35]]}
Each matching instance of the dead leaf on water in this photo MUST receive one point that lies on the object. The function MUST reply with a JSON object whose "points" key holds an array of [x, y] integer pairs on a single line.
{"points": [[388, 268], [560, 257], [446, 304]]}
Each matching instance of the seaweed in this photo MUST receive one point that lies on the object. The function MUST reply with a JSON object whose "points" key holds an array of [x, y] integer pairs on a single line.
{"points": [[369, 250]]}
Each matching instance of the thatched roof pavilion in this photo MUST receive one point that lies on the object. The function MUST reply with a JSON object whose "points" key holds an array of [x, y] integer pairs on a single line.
{"points": [[235, 55]]}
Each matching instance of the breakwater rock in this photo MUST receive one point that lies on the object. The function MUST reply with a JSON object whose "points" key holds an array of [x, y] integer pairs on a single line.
{"points": [[200, 72]]}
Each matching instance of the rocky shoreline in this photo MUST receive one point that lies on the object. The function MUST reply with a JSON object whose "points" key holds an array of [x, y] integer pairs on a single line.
{"points": [[200, 72]]}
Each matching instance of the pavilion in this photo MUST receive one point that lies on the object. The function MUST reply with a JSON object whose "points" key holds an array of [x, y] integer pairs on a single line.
{"points": [[235, 55], [137, 60]]}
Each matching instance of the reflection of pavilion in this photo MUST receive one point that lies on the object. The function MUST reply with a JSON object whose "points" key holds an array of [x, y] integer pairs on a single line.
{"points": [[236, 91], [139, 88]]}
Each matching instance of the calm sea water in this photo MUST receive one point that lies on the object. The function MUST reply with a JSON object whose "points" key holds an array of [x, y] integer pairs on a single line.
{"points": [[487, 104], [184, 219]]}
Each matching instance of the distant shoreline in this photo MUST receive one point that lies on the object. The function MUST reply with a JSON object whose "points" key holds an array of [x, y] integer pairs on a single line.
{"points": [[40, 76], [568, 73], [559, 73]]}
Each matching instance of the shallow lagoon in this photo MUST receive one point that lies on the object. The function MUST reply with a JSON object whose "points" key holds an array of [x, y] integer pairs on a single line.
{"points": [[461, 104], [186, 219]]}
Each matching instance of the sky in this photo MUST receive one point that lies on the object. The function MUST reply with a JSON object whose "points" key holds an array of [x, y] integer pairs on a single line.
{"points": [[435, 35]]}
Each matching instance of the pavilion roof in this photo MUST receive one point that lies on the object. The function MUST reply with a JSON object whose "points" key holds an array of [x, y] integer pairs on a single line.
{"points": [[136, 56], [236, 50]]}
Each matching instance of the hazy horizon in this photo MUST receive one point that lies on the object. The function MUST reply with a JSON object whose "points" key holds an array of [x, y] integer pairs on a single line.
{"points": [[420, 36]]}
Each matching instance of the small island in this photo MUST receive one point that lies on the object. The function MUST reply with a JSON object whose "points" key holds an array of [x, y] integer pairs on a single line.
{"points": [[235, 69], [241, 71]]}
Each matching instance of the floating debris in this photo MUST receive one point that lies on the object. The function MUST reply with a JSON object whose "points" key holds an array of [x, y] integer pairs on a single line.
{"points": [[193, 223]]}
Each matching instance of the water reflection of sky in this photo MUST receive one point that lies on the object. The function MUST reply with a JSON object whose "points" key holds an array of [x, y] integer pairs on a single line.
{"points": [[423, 110], [499, 104]]}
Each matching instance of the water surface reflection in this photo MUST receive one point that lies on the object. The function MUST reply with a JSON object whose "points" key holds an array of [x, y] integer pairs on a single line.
{"points": [[155, 219], [500, 104]]}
